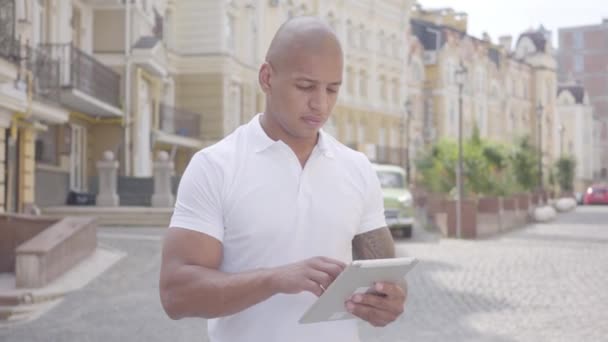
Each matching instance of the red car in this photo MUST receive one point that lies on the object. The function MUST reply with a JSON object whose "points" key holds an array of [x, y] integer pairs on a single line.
{"points": [[597, 194]]}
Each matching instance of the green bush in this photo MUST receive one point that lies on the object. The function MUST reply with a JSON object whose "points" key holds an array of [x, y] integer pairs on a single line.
{"points": [[565, 168], [490, 168]]}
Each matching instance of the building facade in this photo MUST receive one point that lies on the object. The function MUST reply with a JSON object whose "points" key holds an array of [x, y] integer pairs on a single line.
{"points": [[507, 91], [574, 124], [582, 56], [80, 78]]}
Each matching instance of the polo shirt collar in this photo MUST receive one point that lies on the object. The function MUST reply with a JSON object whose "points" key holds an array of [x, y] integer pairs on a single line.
{"points": [[261, 141]]}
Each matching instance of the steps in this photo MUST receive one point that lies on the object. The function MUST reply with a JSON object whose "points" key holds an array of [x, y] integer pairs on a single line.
{"points": [[116, 216]]}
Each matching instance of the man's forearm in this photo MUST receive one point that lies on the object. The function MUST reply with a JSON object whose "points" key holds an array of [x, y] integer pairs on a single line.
{"points": [[196, 291], [376, 244]]}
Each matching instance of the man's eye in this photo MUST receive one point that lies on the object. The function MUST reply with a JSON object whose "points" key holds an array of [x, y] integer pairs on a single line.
{"points": [[303, 87], [332, 91]]}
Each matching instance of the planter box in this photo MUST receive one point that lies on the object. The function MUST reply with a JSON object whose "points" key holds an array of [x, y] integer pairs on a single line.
{"points": [[16, 229], [468, 220], [54, 251], [489, 215]]}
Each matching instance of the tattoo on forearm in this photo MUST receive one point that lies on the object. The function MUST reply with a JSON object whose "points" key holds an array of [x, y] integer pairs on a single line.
{"points": [[376, 244]]}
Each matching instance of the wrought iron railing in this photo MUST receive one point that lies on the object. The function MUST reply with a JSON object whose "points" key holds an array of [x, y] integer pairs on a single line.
{"points": [[45, 70], [179, 121], [9, 46], [81, 71], [391, 155]]}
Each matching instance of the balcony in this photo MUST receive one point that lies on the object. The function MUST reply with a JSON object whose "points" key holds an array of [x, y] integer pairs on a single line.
{"points": [[46, 77], [178, 127], [9, 46], [86, 85]]}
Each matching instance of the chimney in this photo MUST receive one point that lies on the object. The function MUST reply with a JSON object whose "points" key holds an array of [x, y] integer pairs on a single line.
{"points": [[486, 37], [506, 42]]}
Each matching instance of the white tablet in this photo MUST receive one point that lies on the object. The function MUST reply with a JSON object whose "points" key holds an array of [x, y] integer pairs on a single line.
{"points": [[358, 277]]}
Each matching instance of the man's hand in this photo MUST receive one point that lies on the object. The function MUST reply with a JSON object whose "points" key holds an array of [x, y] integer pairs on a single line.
{"points": [[381, 307], [312, 275]]}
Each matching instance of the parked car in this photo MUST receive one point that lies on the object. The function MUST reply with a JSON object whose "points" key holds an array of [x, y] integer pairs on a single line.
{"points": [[597, 194], [398, 207]]}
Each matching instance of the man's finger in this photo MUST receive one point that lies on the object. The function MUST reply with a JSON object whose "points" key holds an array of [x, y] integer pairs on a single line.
{"points": [[333, 261], [322, 279], [330, 268], [313, 287], [391, 304], [375, 317], [391, 290]]}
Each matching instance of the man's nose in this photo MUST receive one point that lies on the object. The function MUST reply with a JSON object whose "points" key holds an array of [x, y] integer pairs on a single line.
{"points": [[319, 100]]}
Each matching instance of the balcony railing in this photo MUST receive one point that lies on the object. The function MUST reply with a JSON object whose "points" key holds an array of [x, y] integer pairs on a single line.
{"points": [[9, 47], [82, 71], [46, 74], [179, 121], [391, 155]]}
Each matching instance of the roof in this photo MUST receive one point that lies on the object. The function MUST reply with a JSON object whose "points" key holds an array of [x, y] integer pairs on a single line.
{"points": [[537, 37], [146, 42], [577, 91], [388, 168], [427, 34]]}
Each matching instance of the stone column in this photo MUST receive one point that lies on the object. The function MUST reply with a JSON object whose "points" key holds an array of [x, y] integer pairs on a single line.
{"points": [[107, 170], [163, 171]]}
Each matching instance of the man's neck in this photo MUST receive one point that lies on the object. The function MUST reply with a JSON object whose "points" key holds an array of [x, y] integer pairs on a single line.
{"points": [[302, 147]]}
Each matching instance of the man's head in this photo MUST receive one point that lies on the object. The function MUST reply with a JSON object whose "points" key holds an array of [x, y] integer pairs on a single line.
{"points": [[301, 77]]}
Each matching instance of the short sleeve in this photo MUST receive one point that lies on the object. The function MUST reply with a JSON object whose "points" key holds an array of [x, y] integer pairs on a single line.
{"points": [[373, 209], [198, 205]]}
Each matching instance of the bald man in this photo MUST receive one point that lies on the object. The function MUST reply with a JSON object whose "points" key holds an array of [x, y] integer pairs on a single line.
{"points": [[268, 217]]}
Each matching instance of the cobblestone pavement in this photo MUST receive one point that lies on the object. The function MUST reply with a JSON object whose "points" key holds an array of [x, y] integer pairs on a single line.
{"points": [[542, 283]]}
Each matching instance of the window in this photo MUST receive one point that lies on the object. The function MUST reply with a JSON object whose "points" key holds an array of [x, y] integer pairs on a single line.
{"points": [[351, 39], [396, 91], [381, 43], [46, 146], [363, 37], [390, 179], [361, 132], [579, 41], [395, 46], [383, 88], [579, 64], [230, 33], [382, 136], [363, 84], [350, 81]]}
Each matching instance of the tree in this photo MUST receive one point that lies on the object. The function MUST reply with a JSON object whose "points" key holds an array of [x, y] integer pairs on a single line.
{"points": [[565, 168], [524, 165]]}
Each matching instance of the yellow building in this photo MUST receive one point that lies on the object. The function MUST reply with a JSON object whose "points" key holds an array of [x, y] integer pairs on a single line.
{"points": [[26, 111], [504, 89], [85, 77], [574, 125], [218, 47]]}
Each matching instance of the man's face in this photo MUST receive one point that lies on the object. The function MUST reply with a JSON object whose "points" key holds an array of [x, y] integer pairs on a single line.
{"points": [[302, 92]]}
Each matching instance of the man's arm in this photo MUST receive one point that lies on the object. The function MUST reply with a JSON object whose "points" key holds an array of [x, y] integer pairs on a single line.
{"points": [[191, 284], [375, 244], [387, 302]]}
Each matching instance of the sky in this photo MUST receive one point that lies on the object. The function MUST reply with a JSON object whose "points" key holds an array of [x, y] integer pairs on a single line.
{"points": [[511, 17]]}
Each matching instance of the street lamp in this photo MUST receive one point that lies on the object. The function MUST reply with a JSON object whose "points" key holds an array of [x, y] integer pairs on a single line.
{"points": [[539, 137], [408, 114], [460, 80]]}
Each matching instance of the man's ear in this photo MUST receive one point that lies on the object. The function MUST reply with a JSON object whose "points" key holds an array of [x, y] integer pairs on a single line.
{"points": [[264, 77]]}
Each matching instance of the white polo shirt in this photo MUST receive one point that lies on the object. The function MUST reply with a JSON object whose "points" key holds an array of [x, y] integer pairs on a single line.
{"points": [[251, 193]]}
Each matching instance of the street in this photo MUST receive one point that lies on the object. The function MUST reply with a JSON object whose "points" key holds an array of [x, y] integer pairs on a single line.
{"points": [[540, 283]]}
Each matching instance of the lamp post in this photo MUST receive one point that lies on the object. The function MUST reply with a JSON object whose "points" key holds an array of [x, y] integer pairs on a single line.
{"points": [[408, 119], [460, 79], [539, 134], [562, 130]]}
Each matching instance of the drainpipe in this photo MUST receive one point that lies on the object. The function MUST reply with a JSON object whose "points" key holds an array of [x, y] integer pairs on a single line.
{"points": [[127, 104]]}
